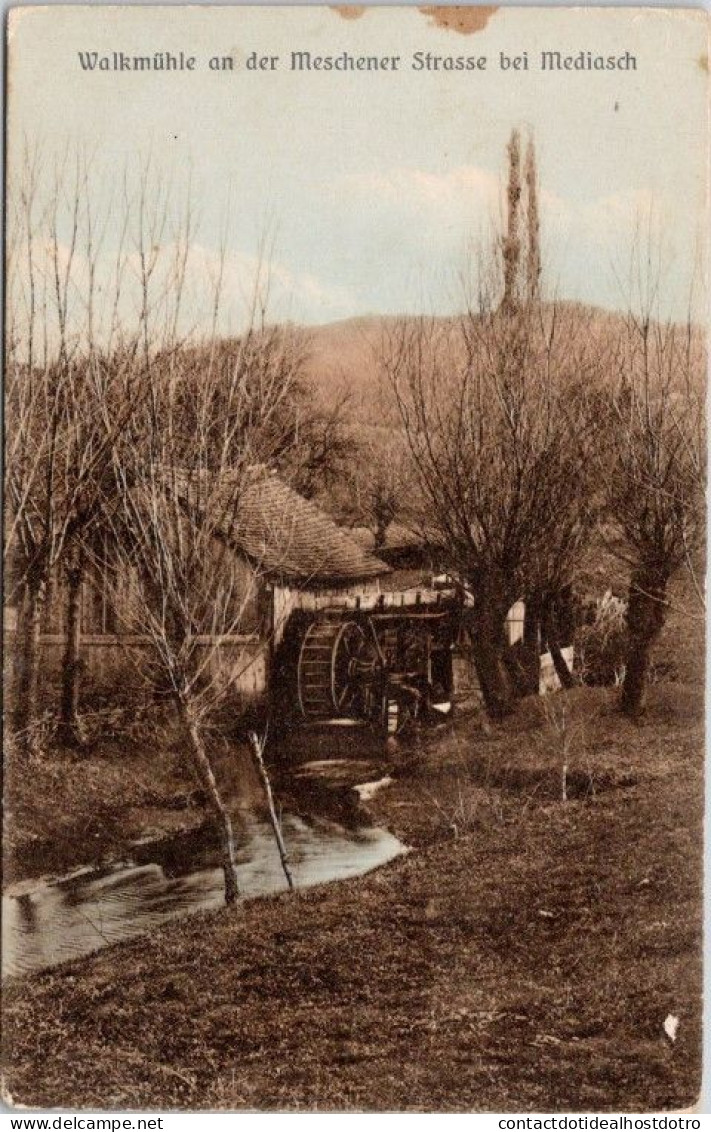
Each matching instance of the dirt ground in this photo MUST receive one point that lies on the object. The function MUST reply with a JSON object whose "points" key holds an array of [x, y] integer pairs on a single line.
{"points": [[523, 957]]}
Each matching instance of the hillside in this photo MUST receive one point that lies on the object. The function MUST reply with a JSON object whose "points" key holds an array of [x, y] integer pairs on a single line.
{"points": [[343, 356]]}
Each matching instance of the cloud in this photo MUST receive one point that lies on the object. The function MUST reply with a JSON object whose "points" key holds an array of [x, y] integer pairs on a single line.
{"points": [[286, 294], [419, 190]]}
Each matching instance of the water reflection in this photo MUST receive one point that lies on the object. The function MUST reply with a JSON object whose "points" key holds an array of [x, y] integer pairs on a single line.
{"points": [[69, 918]]}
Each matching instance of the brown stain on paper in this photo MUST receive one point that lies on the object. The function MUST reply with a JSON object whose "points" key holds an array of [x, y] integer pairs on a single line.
{"points": [[703, 62], [349, 11], [465, 20]]}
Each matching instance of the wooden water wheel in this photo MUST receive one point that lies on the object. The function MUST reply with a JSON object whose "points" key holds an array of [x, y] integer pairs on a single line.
{"points": [[341, 671]]}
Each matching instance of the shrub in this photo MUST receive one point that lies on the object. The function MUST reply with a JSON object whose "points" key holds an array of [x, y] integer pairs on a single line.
{"points": [[601, 644]]}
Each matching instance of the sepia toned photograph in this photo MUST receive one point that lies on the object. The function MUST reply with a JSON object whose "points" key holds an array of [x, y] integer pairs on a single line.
{"points": [[354, 559]]}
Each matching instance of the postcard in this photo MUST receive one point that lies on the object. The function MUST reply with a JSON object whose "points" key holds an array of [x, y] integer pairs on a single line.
{"points": [[354, 542]]}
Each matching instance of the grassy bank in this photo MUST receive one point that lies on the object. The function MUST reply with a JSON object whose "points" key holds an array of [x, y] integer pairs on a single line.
{"points": [[524, 956], [130, 783]]}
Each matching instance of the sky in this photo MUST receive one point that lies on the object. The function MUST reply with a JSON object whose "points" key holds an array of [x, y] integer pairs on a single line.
{"points": [[370, 189]]}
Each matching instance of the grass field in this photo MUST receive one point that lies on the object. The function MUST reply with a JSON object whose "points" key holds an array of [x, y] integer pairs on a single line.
{"points": [[523, 956]]}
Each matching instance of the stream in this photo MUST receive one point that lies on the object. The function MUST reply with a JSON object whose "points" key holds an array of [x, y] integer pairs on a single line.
{"points": [[49, 922]]}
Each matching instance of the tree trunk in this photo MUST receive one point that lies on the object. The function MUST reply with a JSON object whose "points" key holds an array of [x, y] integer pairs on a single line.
{"points": [[488, 643], [380, 534], [69, 731], [26, 663], [529, 654], [646, 613], [567, 680], [258, 759], [47, 606], [206, 778]]}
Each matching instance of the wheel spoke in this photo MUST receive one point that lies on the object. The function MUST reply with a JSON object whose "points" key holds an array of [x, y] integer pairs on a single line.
{"points": [[347, 697]]}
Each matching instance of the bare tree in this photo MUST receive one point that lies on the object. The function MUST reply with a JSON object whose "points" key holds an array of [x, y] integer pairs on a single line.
{"points": [[74, 375], [488, 408], [492, 407], [310, 442], [38, 414], [187, 475], [131, 452], [533, 231], [511, 242], [376, 491], [521, 244], [652, 469]]}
